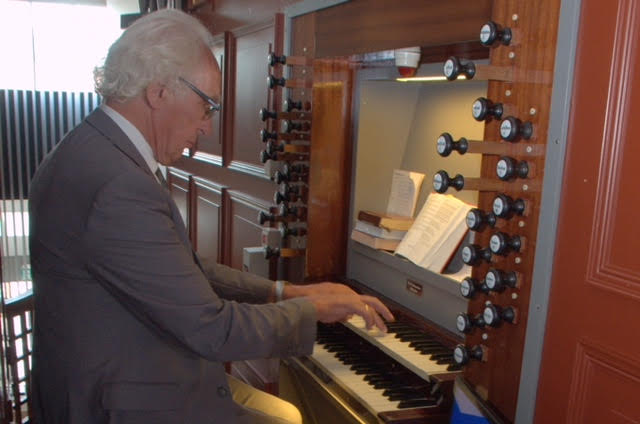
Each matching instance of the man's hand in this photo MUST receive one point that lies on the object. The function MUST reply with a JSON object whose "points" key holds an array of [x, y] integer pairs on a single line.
{"points": [[337, 302], [339, 307]]}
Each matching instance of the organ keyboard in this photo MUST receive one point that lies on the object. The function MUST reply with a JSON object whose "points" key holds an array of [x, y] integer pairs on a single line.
{"points": [[399, 376]]}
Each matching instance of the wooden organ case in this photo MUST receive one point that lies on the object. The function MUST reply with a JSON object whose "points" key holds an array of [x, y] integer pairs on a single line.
{"points": [[519, 40]]}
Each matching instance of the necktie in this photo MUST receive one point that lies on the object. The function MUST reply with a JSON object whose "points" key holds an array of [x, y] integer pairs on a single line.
{"points": [[163, 182]]}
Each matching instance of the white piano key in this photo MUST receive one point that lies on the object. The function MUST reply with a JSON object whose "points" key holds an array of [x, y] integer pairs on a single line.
{"points": [[400, 351], [370, 397]]}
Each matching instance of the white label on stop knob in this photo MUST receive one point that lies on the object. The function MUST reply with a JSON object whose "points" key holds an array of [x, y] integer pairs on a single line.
{"points": [[505, 128], [501, 168]]}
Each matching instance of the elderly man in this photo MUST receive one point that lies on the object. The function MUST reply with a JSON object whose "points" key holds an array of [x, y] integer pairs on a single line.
{"points": [[130, 327]]}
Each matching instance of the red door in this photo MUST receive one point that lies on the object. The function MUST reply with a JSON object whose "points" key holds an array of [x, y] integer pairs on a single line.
{"points": [[591, 362]]}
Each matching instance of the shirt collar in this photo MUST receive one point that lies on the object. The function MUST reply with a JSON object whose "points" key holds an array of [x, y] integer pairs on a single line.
{"points": [[134, 135]]}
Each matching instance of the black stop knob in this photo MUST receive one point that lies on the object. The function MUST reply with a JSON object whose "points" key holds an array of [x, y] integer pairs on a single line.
{"points": [[280, 198], [288, 126], [501, 243], [497, 280], [477, 220], [469, 287], [465, 322], [265, 156], [492, 32], [472, 254], [446, 144], [272, 147], [455, 67], [513, 129], [285, 231], [265, 217], [462, 355], [273, 82], [273, 59], [494, 315], [504, 206], [290, 105], [484, 109], [508, 169], [267, 114], [268, 135], [442, 182]]}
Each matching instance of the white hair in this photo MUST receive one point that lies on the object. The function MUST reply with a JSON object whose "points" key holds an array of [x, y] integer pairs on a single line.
{"points": [[159, 47]]}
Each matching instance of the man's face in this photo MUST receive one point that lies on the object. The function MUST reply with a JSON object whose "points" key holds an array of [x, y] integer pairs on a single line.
{"points": [[183, 118]]}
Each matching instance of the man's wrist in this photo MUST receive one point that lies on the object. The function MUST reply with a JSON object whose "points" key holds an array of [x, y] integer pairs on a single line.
{"points": [[279, 289]]}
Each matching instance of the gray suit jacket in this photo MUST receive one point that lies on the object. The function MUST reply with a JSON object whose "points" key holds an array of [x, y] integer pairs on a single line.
{"points": [[128, 327]]}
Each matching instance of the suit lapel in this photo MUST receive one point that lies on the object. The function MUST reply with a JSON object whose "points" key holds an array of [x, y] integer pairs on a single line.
{"points": [[105, 125]]}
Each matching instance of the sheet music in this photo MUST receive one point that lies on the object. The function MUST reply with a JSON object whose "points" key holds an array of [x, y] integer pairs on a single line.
{"points": [[405, 187], [435, 232]]}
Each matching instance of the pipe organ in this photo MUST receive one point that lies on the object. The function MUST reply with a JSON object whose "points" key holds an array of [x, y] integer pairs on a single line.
{"points": [[472, 330]]}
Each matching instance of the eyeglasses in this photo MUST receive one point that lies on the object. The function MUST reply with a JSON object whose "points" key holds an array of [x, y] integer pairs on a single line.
{"points": [[211, 105]]}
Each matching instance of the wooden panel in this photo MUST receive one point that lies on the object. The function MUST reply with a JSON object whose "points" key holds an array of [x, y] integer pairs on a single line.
{"points": [[361, 26], [329, 169], [245, 231], [251, 93], [179, 185], [226, 15], [208, 219], [593, 314], [497, 380]]}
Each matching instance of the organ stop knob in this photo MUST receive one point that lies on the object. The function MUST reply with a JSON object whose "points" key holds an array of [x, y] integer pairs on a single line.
{"points": [[496, 280], [494, 315], [446, 144], [513, 129], [462, 355], [484, 109], [492, 32], [504, 206], [501, 243]]}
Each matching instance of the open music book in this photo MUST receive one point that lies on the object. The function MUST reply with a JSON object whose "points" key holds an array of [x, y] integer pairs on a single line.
{"points": [[436, 233], [405, 188]]}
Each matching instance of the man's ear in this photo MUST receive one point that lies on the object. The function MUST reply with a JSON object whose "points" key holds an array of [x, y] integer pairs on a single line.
{"points": [[156, 95]]}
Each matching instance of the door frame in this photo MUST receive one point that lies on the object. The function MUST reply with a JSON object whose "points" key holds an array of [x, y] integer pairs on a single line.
{"points": [[568, 26]]}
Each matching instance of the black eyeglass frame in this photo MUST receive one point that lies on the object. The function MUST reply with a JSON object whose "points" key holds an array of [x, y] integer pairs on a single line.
{"points": [[213, 105]]}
